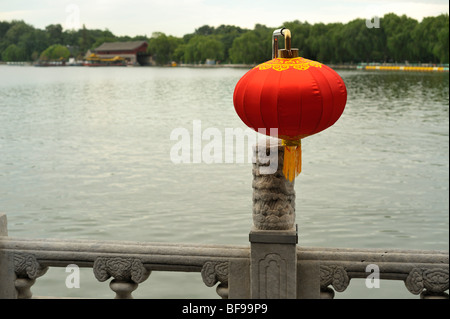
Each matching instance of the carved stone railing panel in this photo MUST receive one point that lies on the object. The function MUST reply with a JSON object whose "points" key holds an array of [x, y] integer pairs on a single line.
{"points": [[124, 269], [424, 272], [216, 271], [27, 269], [127, 273], [335, 276], [429, 282]]}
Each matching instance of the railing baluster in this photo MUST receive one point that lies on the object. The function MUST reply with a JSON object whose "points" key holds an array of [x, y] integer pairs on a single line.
{"points": [[23, 286], [216, 271], [127, 272], [222, 290], [123, 289], [433, 295], [430, 283], [326, 293], [27, 269]]}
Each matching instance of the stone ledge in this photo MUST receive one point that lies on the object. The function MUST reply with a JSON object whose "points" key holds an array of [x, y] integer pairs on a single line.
{"points": [[273, 236]]}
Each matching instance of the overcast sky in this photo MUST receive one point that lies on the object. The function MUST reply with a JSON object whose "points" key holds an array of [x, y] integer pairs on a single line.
{"points": [[179, 17]]}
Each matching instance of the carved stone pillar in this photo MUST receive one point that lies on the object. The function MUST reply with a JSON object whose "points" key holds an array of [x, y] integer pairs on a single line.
{"points": [[27, 269], [273, 194], [127, 273], [273, 238]]}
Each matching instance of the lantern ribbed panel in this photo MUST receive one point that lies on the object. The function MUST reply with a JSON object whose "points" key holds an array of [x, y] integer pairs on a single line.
{"points": [[339, 95], [269, 101], [238, 98]]}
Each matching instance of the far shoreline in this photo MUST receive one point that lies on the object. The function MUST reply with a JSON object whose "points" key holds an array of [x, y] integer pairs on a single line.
{"points": [[371, 66]]}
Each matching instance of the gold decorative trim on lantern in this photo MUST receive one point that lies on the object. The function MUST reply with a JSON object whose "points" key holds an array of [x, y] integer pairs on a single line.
{"points": [[281, 64]]}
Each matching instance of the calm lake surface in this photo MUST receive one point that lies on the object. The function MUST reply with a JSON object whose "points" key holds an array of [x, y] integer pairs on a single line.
{"points": [[85, 153]]}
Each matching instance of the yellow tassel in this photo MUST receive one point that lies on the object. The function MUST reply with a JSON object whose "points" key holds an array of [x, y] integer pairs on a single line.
{"points": [[292, 165]]}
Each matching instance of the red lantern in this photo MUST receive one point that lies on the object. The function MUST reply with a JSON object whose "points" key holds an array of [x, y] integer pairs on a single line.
{"points": [[299, 97]]}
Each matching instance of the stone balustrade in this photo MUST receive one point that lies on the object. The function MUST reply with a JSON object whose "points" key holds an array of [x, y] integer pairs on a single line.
{"points": [[320, 272], [127, 263]]}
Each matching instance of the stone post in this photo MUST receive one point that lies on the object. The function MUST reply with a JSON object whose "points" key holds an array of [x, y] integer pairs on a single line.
{"points": [[273, 237], [7, 275]]}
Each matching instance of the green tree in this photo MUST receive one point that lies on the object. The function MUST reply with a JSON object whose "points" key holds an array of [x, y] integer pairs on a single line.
{"points": [[399, 40], [246, 49], [201, 47], [252, 47], [70, 37], [35, 41], [55, 52], [359, 43], [429, 39], [442, 47], [204, 30], [85, 39], [14, 53], [20, 34], [54, 33], [226, 34], [17, 29], [4, 27], [178, 53], [162, 47], [317, 41]]}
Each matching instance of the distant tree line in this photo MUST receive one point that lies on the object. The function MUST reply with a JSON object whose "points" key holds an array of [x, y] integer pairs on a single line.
{"points": [[398, 39], [20, 41]]}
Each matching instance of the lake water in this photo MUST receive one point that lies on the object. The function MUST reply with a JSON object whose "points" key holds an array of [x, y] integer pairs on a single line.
{"points": [[85, 153]]}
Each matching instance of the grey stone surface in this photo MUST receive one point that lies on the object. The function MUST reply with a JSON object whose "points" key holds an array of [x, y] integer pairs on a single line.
{"points": [[273, 271], [7, 275], [308, 280], [239, 279], [3, 225], [273, 236]]}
